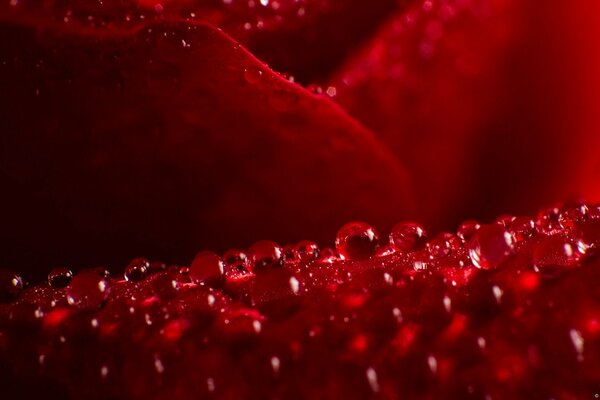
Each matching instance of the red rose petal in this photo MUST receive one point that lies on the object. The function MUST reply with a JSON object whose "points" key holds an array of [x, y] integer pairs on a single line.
{"points": [[168, 138], [489, 103]]}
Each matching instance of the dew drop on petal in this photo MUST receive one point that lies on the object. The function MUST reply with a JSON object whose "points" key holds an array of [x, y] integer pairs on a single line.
{"points": [[306, 251], [490, 245], [408, 236], [264, 255], [522, 228], [87, 290], [60, 277], [137, 269], [467, 229], [253, 75], [207, 268], [357, 241]]}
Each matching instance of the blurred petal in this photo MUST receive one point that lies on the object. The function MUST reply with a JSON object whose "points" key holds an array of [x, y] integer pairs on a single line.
{"points": [[492, 104]]}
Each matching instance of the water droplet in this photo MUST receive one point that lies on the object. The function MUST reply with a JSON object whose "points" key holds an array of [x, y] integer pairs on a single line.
{"points": [[408, 236], [574, 215], [548, 221], [439, 247], [490, 245], [11, 285], [265, 254], [306, 251], [467, 229], [103, 272], [137, 269], [357, 241], [233, 257], [207, 268], [60, 277], [87, 290], [253, 75]]}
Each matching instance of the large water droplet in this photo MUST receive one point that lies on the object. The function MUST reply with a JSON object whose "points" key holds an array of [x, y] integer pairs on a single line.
{"points": [[490, 245], [408, 236], [207, 268], [87, 290], [357, 241], [137, 269], [60, 277], [264, 255]]}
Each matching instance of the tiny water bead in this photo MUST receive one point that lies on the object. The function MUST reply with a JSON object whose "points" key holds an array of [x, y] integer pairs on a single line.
{"points": [[357, 241], [207, 269], [60, 277], [87, 290], [490, 245], [11, 285], [137, 269], [264, 255], [408, 236]]}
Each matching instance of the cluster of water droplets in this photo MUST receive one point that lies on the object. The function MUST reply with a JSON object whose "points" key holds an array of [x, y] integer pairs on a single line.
{"points": [[279, 302]]}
